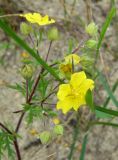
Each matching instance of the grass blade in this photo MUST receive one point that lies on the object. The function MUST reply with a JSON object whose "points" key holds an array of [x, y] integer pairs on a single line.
{"points": [[104, 28], [75, 137], [83, 151], [113, 90], [103, 123], [22, 43], [108, 111], [107, 88]]}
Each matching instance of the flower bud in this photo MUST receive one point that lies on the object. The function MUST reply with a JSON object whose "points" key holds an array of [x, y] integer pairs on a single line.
{"points": [[53, 34], [45, 137], [58, 130], [25, 28], [72, 57], [27, 71], [91, 29], [65, 70], [91, 43]]}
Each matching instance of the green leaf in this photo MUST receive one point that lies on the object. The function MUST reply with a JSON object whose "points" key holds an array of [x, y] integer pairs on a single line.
{"points": [[18, 87], [100, 114], [108, 111], [6, 144], [25, 46], [83, 151], [43, 84], [71, 45], [103, 123], [50, 112], [33, 112], [104, 28], [89, 99], [107, 88]]}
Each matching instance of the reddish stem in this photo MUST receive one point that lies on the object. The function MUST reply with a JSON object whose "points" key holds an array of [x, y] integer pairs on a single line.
{"points": [[5, 128], [17, 149]]}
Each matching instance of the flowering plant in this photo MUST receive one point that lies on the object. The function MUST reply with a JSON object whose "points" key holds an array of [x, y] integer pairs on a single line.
{"points": [[71, 80]]}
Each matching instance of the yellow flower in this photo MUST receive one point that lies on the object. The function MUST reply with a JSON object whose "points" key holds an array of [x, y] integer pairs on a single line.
{"points": [[37, 18], [65, 68], [72, 57], [45, 20], [72, 95], [56, 121]]}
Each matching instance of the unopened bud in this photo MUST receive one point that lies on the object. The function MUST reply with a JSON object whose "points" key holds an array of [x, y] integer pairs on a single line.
{"points": [[25, 28], [58, 130], [45, 137], [91, 43], [53, 34], [65, 70], [91, 29], [27, 71]]}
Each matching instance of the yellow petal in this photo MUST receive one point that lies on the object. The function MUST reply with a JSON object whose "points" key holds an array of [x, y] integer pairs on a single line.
{"points": [[37, 18], [45, 20], [72, 57], [81, 101], [77, 79], [87, 84], [66, 104], [32, 17], [64, 90]]}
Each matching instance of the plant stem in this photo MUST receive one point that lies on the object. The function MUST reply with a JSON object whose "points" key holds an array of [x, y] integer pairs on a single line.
{"points": [[30, 37], [88, 10], [49, 94], [82, 155], [5, 128], [79, 46], [35, 86], [15, 141], [28, 100], [19, 122], [27, 94], [75, 136], [9, 15], [48, 51], [32, 93], [17, 149]]}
